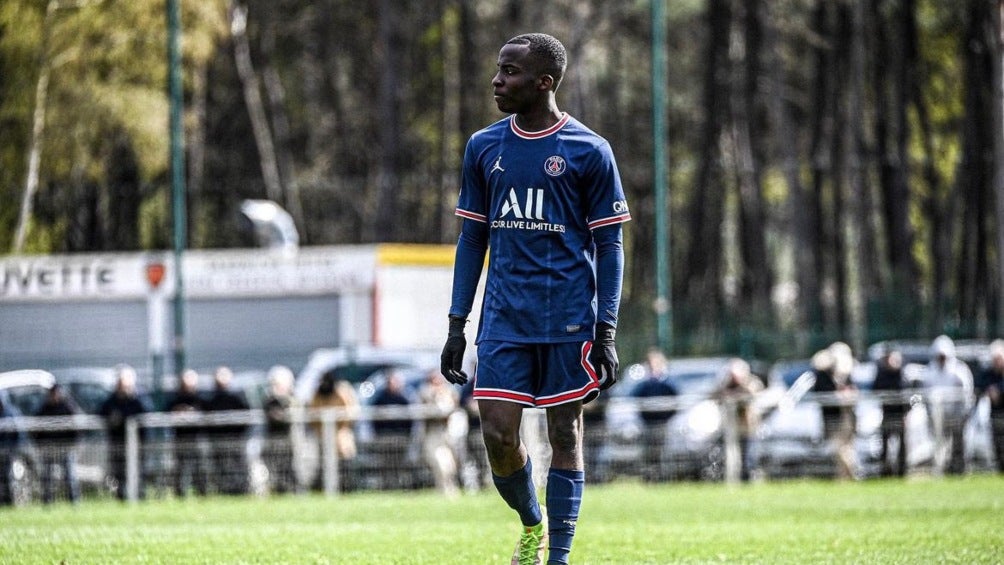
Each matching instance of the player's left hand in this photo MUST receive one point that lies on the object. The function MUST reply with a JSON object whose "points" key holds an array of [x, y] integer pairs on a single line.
{"points": [[603, 355]]}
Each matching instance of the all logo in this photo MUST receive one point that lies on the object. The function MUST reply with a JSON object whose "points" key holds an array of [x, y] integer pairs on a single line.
{"points": [[554, 165], [533, 209]]}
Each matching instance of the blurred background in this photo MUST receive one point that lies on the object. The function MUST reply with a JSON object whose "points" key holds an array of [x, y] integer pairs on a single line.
{"points": [[280, 194], [832, 166]]}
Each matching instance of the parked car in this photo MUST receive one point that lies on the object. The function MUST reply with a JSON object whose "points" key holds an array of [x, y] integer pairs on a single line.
{"points": [[22, 393], [790, 441], [355, 364], [693, 447]]}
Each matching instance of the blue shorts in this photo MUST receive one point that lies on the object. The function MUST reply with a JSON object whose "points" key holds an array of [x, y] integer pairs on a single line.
{"points": [[535, 374]]}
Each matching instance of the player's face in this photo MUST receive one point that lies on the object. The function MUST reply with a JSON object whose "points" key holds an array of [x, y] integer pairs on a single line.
{"points": [[517, 85]]}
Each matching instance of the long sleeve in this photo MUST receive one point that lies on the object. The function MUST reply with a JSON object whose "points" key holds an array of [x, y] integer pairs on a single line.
{"points": [[609, 272], [470, 259]]}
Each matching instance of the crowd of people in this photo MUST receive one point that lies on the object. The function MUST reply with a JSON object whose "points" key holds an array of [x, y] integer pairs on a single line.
{"points": [[209, 455], [208, 433]]}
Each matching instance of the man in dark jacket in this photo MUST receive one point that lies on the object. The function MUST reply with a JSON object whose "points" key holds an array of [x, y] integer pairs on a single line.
{"points": [[187, 405], [890, 385], [227, 441], [57, 446], [123, 405], [993, 381]]}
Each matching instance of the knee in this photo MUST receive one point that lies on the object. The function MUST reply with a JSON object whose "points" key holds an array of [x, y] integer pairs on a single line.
{"points": [[564, 439], [499, 439]]}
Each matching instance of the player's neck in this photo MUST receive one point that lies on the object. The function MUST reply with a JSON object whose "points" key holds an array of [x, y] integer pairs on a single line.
{"points": [[540, 118]]}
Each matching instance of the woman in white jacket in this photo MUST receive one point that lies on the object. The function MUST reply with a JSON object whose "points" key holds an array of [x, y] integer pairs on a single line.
{"points": [[948, 384]]}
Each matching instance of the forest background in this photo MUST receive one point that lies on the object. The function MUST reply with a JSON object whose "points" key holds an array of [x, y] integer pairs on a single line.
{"points": [[834, 166]]}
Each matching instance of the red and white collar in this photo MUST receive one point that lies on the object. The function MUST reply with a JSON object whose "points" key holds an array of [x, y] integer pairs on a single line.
{"points": [[537, 134]]}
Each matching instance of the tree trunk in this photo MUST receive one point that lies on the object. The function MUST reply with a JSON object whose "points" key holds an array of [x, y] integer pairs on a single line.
{"points": [[704, 218], [801, 216], [820, 154], [37, 131], [998, 151], [387, 220], [757, 277], [255, 106]]}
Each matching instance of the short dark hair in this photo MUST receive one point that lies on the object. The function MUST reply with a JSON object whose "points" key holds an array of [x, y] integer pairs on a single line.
{"points": [[547, 51]]}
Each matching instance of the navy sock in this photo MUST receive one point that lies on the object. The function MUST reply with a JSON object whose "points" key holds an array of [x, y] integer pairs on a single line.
{"points": [[519, 493], [564, 494]]}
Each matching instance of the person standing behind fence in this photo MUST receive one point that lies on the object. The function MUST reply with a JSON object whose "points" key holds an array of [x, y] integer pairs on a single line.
{"points": [[833, 367], [738, 393], [188, 456], [948, 383], [227, 441], [993, 380], [891, 386], [278, 452], [437, 445], [660, 390], [58, 446], [122, 405], [337, 393], [11, 437]]}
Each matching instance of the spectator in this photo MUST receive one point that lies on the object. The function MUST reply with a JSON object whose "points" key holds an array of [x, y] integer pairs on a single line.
{"points": [[437, 445], [738, 393], [226, 441], [993, 379], [392, 394], [657, 409], [476, 472], [57, 446], [949, 386], [394, 436], [120, 407], [278, 452], [189, 458], [832, 368], [338, 393], [10, 440], [891, 388]]}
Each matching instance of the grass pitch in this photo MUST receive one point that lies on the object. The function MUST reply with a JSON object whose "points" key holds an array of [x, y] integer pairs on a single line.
{"points": [[888, 521]]}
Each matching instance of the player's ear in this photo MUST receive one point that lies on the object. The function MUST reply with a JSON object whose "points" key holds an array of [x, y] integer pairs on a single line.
{"points": [[545, 82]]}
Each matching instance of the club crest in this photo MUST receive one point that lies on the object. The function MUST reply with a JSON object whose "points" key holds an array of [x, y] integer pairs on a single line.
{"points": [[554, 165]]}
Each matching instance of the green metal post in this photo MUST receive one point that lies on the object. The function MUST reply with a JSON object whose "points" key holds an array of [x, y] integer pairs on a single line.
{"points": [[663, 300], [177, 180]]}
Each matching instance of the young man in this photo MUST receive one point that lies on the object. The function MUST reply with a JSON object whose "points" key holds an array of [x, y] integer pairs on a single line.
{"points": [[542, 192]]}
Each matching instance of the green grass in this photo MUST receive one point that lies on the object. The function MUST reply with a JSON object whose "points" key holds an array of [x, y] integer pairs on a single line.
{"points": [[912, 521]]}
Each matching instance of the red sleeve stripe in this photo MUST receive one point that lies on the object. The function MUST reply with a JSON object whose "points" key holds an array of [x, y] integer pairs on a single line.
{"points": [[471, 215], [607, 221]]}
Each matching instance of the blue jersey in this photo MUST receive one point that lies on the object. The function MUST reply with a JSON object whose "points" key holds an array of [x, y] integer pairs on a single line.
{"points": [[541, 195]]}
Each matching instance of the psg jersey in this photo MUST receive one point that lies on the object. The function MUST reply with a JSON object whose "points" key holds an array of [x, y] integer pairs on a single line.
{"points": [[541, 195]]}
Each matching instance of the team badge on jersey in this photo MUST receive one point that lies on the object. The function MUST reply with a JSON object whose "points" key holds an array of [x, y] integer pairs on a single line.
{"points": [[554, 165]]}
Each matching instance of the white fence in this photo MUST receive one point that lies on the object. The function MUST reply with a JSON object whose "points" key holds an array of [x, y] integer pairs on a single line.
{"points": [[333, 450]]}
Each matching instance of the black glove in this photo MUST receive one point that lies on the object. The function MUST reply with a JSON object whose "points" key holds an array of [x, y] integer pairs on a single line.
{"points": [[603, 355], [451, 362]]}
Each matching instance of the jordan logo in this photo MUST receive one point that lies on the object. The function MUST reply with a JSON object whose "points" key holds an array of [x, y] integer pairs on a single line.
{"points": [[497, 166]]}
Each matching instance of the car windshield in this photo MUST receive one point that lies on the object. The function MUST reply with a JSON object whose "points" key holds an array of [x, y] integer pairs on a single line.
{"points": [[695, 382], [28, 399]]}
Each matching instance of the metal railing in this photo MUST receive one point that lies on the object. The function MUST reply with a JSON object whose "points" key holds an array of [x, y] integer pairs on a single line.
{"points": [[730, 439]]}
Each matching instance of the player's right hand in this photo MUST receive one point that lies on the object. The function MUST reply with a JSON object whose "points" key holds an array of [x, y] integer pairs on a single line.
{"points": [[451, 362]]}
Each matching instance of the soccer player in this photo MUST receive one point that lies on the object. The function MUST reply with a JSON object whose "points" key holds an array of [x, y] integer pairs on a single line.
{"points": [[542, 193]]}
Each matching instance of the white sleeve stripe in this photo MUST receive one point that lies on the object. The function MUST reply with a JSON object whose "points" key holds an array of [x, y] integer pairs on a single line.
{"points": [[607, 221], [471, 215]]}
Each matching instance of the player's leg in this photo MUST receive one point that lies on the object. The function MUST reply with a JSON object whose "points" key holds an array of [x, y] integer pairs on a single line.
{"points": [[512, 470], [569, 381], [566, 477], [512, 473]]}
